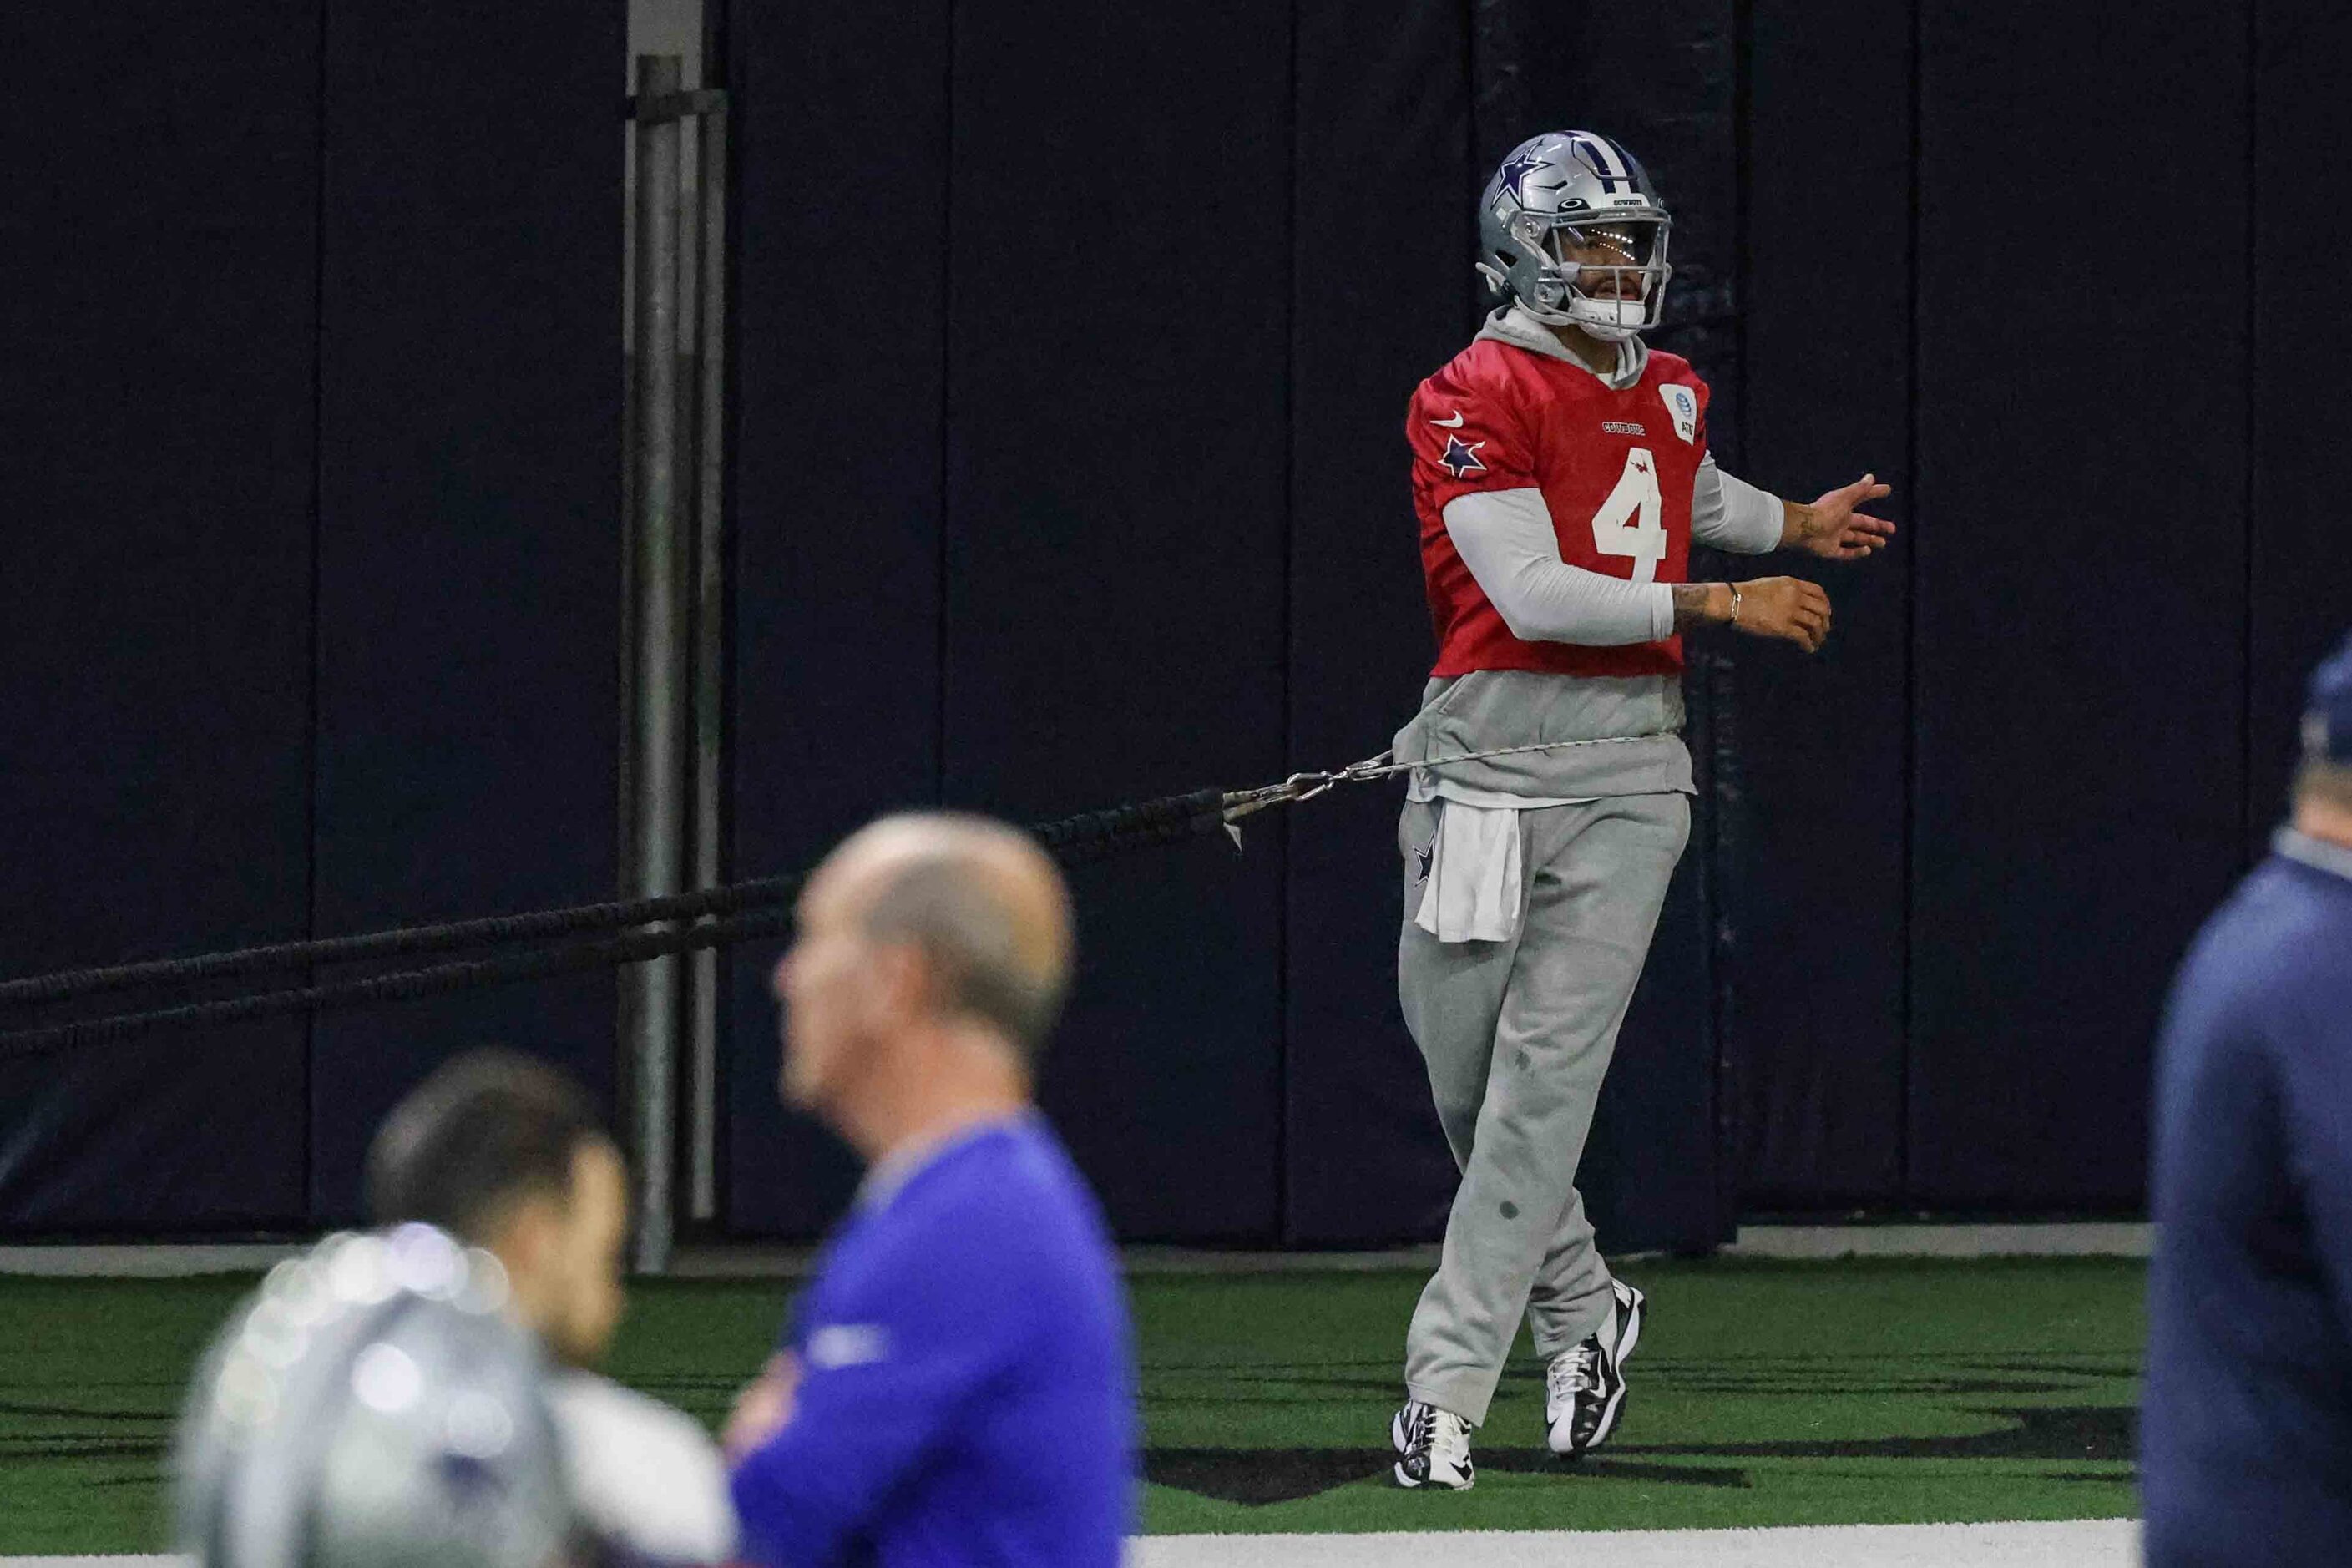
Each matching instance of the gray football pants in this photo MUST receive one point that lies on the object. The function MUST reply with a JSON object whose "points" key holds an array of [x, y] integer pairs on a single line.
{"points": [[1516, 1035]]}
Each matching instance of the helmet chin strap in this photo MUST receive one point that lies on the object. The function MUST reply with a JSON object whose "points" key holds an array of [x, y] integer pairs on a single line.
{"points": [[1550, 315], [1547, 315], [1602, 319], [1605, 319], [1610, 331], [1612, 336]]}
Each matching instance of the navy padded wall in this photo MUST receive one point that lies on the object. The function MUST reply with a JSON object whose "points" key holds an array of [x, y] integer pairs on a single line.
{"points": [[1988, 812], [1117, 440], [2081, 623], [1667, 88], [838, 343], [1383, 172], [159, 319], [2300, 561], [470, 540], [1811, 752]]}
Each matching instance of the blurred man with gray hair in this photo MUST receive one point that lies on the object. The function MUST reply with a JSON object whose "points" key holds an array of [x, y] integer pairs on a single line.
{"points": [[2246, 1441], [957, 1385]]}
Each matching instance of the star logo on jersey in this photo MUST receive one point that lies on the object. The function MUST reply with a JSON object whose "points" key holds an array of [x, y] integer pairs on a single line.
{"points": [[1514, 175], [1460, 460]]}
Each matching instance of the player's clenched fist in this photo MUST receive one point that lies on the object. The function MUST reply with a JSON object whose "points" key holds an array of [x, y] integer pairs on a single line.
{"points": [[1787, 608]]}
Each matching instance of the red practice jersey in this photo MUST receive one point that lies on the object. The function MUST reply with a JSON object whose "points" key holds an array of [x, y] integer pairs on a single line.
{"points": [[1616, 471]]}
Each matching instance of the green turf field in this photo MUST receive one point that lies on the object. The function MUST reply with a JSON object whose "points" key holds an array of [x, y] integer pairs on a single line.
{"points": [[1763, 1393]]}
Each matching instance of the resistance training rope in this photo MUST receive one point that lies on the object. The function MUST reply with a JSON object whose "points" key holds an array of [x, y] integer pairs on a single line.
{"points": [[739, 912]]}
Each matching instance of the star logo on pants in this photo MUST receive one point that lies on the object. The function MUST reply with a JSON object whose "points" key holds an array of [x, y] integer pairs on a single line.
{"points": [[1425, 854]]}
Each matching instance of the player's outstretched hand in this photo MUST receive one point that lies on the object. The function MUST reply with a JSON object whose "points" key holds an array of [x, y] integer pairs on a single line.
{"points": [[1832, 530], [1787, 608]]}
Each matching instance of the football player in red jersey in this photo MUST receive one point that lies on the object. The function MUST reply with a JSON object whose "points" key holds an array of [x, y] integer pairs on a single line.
{"points": [[1561, 471]]}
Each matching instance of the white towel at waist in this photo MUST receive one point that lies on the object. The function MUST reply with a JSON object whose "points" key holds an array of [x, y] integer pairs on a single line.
{"points": [[1423, 786], [1472, 890]]}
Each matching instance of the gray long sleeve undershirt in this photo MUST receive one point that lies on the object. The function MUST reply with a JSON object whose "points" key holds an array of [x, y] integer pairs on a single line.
{"points": [[1730, 514], [1506, 538]]}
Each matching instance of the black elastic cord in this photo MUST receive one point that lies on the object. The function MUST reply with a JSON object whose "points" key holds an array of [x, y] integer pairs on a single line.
{"points": [[1075, 840], [465, 975], [1117, 826], [489, 931]]}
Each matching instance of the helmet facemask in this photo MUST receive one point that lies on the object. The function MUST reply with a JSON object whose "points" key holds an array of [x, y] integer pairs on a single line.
{"points": [[1606, 274]]}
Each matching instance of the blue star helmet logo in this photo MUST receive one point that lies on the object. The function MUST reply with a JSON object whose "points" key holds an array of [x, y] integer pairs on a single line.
{"points": [[1460, 460], [1515, 173]]}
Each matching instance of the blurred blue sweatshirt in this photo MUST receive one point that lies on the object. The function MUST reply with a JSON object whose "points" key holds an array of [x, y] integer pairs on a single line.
{"points": [[967, 1389], [2246, 1439]]}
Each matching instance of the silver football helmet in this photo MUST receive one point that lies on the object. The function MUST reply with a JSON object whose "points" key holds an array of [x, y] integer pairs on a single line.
{"points": [[372, 1406], [1571, 228]]}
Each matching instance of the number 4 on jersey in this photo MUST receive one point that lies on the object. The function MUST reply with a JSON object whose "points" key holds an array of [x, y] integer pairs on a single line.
{"points": [[1627, 522]]}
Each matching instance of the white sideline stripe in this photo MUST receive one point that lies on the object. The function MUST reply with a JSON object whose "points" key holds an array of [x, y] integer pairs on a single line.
{"points": [[2072, 1543], [2071, 1240], [142, 1260], [159, 1260]]}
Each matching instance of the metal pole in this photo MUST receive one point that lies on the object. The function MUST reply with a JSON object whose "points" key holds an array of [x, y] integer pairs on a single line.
{"points": [[658, 702], [710, 664]]}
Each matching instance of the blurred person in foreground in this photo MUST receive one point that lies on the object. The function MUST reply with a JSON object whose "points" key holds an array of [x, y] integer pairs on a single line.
{"points": [[2246, 1437], [506, 1154], [957, 1385], [418, 1394], [373, 1405]]}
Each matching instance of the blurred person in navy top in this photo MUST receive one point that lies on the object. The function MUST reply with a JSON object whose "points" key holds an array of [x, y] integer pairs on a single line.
{"points": [[957, 1386], [2246, 1437]]}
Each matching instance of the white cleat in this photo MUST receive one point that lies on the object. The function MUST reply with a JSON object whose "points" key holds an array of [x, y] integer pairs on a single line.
{"points": [[1432, 1447], [1584, 1388]]}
